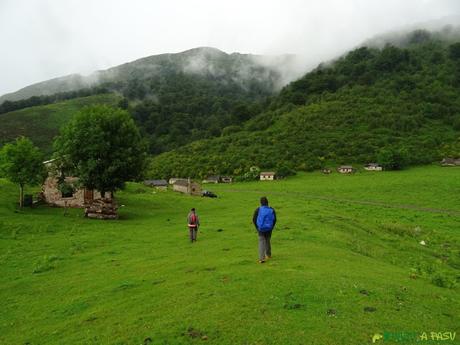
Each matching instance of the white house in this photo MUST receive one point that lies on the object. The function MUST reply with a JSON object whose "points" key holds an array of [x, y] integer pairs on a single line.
{"points": [[345, 169], [373, 167], [267, 176]]}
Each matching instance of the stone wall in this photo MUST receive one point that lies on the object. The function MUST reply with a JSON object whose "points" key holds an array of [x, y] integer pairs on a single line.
{"points": [[180, 188], [53, 196], [192, 188]]}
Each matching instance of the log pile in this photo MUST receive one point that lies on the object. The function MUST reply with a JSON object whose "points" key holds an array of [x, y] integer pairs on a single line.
{"points": [[102, 209]]}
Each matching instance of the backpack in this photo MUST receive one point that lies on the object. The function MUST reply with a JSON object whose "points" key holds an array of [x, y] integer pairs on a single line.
{"points": [[265, 219], [193, 219]]}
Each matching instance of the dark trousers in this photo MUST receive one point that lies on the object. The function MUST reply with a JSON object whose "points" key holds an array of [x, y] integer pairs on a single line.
{"points": [[265, 248], [193, 231]]}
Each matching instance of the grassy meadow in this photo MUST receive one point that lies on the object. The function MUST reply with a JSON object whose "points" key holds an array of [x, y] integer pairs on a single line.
{"points": [[347, 264]]}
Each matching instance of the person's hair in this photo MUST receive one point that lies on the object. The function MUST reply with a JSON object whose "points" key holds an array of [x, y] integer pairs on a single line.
{"points": [[193, 209], [264, 201]]}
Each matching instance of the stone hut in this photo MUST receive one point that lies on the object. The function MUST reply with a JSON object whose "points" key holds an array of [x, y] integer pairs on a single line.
{"points": [[73, 197], [158, 184], [212, 179], [218, 179], [226, 179], [187, 187], [450, 162], [173, 180]]}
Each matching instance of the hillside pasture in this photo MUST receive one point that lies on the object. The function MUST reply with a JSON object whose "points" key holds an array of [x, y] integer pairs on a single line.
{"points": [[347, 264], [42, 123]]}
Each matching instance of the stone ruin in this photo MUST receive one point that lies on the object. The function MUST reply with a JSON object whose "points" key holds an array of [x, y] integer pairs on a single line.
{"points": [[105, 208]]}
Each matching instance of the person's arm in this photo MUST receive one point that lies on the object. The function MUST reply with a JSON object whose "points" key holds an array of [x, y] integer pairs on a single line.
{"points": [[254, 217], [274, 217]]}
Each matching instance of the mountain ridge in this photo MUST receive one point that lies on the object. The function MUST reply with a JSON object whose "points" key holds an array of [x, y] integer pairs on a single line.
{"points": [[211, 55]]}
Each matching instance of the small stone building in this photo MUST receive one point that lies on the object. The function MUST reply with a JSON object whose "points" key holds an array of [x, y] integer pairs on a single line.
{"points": [[345, 169], [450, 162], [77, 198], [212, 179], [373, 167], [187, 187], [226, 179], [218, 179], [173, 180], [158, 184], [267, 176]]}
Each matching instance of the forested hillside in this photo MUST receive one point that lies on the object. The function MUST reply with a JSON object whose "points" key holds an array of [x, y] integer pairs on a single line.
{"points": [[394, 103], [207, 112], [174, 98]]}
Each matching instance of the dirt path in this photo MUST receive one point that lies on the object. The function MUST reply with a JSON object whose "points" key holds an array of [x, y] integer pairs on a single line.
{"points": [[449, 212]]}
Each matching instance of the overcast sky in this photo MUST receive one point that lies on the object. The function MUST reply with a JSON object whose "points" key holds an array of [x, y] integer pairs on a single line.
{"points": [[43, 39]]}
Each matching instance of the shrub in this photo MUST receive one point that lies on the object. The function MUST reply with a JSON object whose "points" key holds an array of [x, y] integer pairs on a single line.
{"points": [[284, 171]]}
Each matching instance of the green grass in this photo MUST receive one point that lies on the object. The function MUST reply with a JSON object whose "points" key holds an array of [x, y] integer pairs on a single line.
{"points": [[42, 123], [70, 280]]}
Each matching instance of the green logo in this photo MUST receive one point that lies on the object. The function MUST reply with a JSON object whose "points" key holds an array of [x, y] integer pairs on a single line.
{"points": [[411, 337]]}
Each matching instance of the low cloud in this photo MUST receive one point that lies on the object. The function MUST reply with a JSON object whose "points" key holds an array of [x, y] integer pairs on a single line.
{"points": [[43, 39]]}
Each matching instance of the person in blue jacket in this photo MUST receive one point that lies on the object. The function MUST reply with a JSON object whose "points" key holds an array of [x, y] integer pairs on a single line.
{"points": [[264, 220]]}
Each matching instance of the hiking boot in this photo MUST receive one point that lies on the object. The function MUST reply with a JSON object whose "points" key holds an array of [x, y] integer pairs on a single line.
{"points": [[261, 261], [267, 257]]}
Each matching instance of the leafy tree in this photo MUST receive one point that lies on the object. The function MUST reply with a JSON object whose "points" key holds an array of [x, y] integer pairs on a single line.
{"points": [[103, 147], [230, 130], [22, 163], [123, 103], [284, 170], [252, 174], [419, 36], [391, 58], [454, 51], [393, 158]]}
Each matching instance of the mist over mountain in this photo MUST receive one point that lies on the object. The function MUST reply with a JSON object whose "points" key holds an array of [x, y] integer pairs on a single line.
{"points": [[275, 71], [444, 29]]}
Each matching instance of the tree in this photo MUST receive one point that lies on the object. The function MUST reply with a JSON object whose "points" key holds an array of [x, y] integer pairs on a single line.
{"points": [[391, 58], [454, 51], [419, 36], [284, 170], [22, 163], [392, 158], [103, 147]]}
